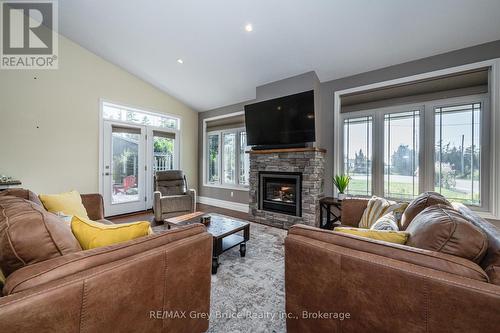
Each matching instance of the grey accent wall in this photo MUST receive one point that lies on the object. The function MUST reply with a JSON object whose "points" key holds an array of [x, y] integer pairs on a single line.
{"points": [[324, 94]]}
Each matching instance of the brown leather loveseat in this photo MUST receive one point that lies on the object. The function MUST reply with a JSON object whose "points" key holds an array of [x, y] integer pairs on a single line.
{"points": [[343, 283], [158, 283]]}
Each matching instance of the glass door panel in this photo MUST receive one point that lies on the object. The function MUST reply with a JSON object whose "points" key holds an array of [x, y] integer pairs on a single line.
{"points": [[163, 151], [162, 155], [124, 165]]}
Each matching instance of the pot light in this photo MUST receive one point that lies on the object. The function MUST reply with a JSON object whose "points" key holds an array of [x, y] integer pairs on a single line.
{"points": [[180, 61], [249, 27]]}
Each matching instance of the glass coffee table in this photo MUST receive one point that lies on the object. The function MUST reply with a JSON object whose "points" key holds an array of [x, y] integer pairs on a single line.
{"points": [[227, 232]]}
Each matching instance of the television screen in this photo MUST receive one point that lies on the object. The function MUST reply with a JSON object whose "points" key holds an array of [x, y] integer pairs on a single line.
{"points": [[282, 121]]}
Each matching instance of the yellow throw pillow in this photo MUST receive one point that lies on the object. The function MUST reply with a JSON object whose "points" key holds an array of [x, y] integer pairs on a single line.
{"points": [[91, 234], [398, 237], [69, 203]]}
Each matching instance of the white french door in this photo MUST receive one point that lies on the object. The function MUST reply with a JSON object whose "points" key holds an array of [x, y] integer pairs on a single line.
{"points": [[124, 168], [162, 154]]}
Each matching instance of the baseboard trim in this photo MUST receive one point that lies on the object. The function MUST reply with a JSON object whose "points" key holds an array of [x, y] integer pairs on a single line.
{"points": [[223, 204]]}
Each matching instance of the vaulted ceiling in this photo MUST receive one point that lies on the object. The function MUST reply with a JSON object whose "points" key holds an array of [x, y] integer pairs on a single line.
{"points": [[223, 63]]}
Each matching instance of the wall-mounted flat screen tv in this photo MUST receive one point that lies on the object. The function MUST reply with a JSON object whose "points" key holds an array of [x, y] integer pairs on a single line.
{"points": [[284, 121]]}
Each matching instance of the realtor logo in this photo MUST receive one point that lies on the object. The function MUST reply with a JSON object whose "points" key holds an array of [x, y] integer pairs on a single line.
{"points": [[28, 35]]}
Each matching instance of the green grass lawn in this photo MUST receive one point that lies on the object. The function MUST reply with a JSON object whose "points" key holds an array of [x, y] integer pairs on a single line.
{"points": [[404, 191]]}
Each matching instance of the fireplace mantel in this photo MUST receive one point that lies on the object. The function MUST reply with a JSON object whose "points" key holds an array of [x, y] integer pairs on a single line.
{"points": [[286, 150]]}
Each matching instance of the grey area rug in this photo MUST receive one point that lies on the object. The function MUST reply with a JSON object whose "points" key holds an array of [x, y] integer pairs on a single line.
{"points": [[248, 294]]}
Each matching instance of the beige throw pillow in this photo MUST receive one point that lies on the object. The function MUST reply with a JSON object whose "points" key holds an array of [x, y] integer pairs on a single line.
{"points": [[387, 222], [376, 208]]}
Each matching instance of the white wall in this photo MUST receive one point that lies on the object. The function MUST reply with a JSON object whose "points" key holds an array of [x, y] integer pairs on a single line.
{"points": [[49, 120]]}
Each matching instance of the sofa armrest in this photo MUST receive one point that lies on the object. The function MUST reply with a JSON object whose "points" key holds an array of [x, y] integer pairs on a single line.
{"points": [[132, 294], [74, 263], [375, 293], [411, 255], [192, 194], [352, 211], [94, 205]]}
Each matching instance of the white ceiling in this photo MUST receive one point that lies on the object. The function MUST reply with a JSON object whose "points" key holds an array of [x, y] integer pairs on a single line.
{"points": [[223, 63]]}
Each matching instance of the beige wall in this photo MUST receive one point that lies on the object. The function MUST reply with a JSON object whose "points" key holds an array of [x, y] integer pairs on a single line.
{"points": [[49, 120]]}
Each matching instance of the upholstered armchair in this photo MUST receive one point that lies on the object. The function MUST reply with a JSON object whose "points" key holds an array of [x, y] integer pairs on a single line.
{"points": [[171, 196]]}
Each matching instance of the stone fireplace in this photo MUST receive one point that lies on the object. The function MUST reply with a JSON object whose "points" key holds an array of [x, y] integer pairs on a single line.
{"points": [[286, 185]]}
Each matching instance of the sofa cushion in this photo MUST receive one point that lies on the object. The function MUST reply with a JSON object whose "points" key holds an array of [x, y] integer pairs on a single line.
{"points": [[29, 234], [491, 260], [420, 203], [22, 193], [441, 228]]}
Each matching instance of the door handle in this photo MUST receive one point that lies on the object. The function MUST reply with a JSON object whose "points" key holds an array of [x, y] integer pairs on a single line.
{"points": [[106, 173]]}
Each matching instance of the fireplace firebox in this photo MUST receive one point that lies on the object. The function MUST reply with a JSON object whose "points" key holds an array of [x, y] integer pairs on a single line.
{"points": [[280, 192]]}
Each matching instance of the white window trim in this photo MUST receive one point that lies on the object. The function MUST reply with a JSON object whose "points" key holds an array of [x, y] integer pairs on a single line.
{"points": [[221, 184], [494, 105], [426, 142]]}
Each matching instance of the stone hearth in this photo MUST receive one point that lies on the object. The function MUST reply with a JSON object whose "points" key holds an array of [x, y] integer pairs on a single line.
{"points": [[308, 161]]}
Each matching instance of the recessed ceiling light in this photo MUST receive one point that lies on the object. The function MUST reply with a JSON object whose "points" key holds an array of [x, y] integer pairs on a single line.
{"points": [[180, 61], [248, 27]]}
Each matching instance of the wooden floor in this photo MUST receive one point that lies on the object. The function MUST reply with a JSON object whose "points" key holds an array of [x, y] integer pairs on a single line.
{"points": [[148, 215]]}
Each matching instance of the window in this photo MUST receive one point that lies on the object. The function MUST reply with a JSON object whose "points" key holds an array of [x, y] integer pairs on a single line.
{"points": [[458, 152], [213, 158], [401, 152], [116, 112], [227, 164], [445, 153], [357, 154], [229, 158]]}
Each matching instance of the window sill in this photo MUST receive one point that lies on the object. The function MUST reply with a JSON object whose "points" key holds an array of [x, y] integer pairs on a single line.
{"points": [[228, 187]]}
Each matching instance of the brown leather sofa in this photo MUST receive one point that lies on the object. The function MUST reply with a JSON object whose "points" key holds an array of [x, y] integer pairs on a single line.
{"points": [[158, 283], [342, 283]]}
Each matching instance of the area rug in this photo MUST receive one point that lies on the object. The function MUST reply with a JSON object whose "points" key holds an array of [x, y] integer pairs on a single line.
{"points": [[248, 294]]}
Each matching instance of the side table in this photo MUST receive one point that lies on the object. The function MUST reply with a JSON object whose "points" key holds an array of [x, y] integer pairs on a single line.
{"points": [[325, 204], [9, 184]]}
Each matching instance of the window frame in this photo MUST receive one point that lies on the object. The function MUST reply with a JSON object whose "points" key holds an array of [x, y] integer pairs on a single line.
{"points": [[426, 143], [221, 183]]}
